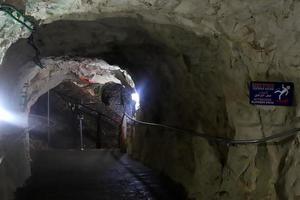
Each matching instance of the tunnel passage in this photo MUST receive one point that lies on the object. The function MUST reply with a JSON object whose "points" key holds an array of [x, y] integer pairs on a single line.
{"points": [[199, 57], [179, 79], [101, 123], [170, 71], [62, 168]]}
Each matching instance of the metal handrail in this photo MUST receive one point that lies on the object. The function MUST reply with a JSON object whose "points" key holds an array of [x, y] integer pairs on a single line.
{"points": [[222, 140], [216, 139], [76, 101]]}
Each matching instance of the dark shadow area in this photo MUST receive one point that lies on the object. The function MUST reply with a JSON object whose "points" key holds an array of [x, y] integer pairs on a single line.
{"points": [[99, 106], [151, 178], [174, 69], [94, 175]]}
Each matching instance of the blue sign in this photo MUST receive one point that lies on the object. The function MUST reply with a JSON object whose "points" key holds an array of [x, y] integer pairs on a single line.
{"points": [[271, 93]]}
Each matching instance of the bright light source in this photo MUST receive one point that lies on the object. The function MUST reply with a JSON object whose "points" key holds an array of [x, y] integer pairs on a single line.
{"points": [[136, 97], [1, 159], [6, 116], [16, 119]]}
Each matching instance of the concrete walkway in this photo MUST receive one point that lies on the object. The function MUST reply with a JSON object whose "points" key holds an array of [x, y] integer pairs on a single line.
{"points": [[92, 175]]}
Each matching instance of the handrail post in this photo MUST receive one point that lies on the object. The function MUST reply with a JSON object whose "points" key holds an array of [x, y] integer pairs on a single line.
{"points": [[48, 119], [80, 116], [99, 132]]}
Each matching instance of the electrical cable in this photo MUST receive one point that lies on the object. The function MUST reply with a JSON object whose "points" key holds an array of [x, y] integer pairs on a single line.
{"points": [[18, 16], [11, 10], [37, 59]]}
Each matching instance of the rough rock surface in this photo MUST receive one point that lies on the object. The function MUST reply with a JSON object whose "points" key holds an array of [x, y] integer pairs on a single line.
{"points": [[208, 52], [11, 31], [56, 70], [26, 89]]}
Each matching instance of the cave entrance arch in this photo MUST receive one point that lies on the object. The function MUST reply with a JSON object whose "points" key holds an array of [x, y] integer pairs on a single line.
{"points": [[174, 64], [98, 108], [91, 77], [89, 82]]}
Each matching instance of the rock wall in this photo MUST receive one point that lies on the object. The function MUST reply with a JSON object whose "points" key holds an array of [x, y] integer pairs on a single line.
{"points": [[196, 67], [22, 82]]}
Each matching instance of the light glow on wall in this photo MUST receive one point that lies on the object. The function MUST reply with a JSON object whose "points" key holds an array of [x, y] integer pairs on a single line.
{"points": [[6, 116], [136, 98], [12, 118]]}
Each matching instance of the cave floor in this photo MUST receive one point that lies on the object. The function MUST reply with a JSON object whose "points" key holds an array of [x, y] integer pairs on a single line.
{"points": [[92, 175]]}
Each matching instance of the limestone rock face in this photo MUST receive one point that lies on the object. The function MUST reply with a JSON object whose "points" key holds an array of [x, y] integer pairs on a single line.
{"points": [[195, 59], [11, 31]]}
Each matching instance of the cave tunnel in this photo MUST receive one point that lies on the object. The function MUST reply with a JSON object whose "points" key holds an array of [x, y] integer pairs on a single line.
{"points": [[148, 100]]}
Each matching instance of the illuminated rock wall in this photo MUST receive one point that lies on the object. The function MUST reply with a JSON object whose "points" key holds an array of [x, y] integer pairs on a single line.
{"points": [[194, 60]]}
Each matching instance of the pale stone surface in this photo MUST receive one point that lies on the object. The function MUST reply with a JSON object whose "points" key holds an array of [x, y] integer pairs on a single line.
{"points": [[14, 147], [61, 68], [245, 40], [10, 32]]}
